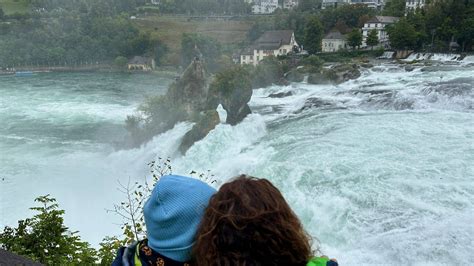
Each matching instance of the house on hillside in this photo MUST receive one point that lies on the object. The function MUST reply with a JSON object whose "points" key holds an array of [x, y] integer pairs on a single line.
{"points": [[333, 3], [271, 43], [412, 5], [333, 42], [374, 4], [263, 6], [140, 63], [269, 6], [290, 4], [378, 23]]}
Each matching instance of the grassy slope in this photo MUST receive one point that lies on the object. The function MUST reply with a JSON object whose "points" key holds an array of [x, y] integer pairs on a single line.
{"points": [[169, 29], [11, 6]]}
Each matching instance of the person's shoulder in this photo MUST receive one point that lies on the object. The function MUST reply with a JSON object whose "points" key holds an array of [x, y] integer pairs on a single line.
{"points": [[322, 261], [118, 261], [125, 255]]}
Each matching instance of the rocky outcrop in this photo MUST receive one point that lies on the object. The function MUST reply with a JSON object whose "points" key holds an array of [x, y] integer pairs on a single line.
{"points": [[193, 98], [336, 74], [206, 122], [295, 75], [233, 89], [280, 94], [343, 73], [190, 91]]}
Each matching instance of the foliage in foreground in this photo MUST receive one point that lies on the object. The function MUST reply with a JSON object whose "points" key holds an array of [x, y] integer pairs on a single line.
{"points": [[44, 237]]}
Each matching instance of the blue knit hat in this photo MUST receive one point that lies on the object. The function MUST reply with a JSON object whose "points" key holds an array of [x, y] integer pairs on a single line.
{"points": [[173, 213]]}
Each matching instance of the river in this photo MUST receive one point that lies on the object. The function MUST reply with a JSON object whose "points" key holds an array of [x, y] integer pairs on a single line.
{"points": [[379, 169]]}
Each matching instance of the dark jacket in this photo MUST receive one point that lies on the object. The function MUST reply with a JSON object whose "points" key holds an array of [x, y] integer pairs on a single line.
{"points": [[139, 253]]}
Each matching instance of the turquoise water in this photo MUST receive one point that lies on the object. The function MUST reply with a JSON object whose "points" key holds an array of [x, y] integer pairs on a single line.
{"points": [[56, 135], [379, 169]]}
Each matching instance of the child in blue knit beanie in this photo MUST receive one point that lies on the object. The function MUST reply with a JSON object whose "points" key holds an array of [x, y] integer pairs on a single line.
{"points": [[172, 215]]}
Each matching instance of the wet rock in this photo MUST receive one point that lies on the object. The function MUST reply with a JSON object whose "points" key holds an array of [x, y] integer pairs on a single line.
{"points": [[435, 68], [295, 75], [372, 92], [280, 94], [206, 122], [233, 90], [452, 88], [342, 73], [319, 103], [372, 85], [366, 65], [409, 68], [404, 104], [318, 78], [190, 91]]}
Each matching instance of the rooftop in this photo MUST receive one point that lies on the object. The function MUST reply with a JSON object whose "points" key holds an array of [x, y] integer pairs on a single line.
{"points": [[383, 19], [334, 35], [139, 60], [271, 40]]}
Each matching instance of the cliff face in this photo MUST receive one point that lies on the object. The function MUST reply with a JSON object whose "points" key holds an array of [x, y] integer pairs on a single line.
{"points": [[194, 98], [190, 91]]}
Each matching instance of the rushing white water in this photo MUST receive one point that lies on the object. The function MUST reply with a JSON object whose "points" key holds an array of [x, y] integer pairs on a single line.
{"points": [[438, 57], [379, 169], [387, 55]]}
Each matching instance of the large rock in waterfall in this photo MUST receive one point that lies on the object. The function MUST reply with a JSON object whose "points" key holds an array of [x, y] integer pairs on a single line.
{"points": [[194, 98], [191, 89], [336, 74]]}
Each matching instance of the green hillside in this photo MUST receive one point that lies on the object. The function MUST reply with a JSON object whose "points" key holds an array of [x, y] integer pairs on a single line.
{"points": [[169, 29], [14, 6]]}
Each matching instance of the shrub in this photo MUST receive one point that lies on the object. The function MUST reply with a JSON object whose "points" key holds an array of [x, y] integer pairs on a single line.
{"points": [[44, 238]]}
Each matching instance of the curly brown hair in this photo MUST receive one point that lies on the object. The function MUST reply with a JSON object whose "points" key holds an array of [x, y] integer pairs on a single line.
{"points": [[248, 222]]}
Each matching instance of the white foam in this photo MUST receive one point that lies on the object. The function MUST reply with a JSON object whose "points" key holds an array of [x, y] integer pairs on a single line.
{"points": [[377, 186]]}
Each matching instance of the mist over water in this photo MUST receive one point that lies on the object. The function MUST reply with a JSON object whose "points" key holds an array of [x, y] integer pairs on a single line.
{"points": [[379, 169]]}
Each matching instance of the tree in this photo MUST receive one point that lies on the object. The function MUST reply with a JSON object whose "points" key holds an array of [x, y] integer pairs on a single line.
{"points": [[160, 50], [309, 5], [466, 34], [44, 238], [230, 80], [354, 39], [372, 38], [313, 35], [394, 8], [120, 61], [402, 35], [2, 14]]}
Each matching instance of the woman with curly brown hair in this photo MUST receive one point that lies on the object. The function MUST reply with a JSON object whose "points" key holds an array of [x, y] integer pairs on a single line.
{"points": [[248, 222]]}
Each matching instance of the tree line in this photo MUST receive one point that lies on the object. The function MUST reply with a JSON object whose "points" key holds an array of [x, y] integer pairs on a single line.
{"points": [[435, 27], [74, 32]]}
